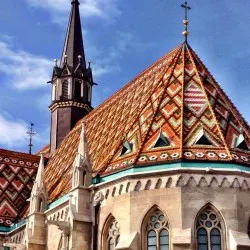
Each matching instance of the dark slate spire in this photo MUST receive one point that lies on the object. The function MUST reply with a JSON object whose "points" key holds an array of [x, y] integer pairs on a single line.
{"points": [[73, 46]]}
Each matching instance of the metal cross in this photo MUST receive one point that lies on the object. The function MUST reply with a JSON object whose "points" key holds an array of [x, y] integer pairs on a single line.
{"points": [[187, 8], [31, 133]]}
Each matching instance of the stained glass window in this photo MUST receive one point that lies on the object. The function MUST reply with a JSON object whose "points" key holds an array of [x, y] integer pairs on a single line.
{"points": [[157, 232], [208, 231]]}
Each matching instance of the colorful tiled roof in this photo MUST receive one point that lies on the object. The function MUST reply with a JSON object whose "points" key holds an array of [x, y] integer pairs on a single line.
{"points": [[173, 111], [17, 174]]}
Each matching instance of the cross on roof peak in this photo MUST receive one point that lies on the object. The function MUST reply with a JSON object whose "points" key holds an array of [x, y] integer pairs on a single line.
{"points": [[185, 21]]}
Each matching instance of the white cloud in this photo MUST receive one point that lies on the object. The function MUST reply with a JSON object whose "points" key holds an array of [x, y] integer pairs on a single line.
{"points": [[24, 70], [12, 132], [89, 8]]}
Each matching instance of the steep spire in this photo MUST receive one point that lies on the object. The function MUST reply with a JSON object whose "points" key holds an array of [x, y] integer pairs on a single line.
{"points": [[73, 52]]}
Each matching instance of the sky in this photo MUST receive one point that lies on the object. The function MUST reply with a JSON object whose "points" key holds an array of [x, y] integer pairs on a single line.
{"points": [[121, 38]]}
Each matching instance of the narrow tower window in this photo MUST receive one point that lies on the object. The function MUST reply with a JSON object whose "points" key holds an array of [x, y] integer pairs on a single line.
{"points": [[78, 90], [208, 230], [86, 93], [65, 89]]}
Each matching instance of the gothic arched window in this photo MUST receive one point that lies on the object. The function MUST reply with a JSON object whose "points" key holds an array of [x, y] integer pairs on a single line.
{"points": [[209, 230], [156, 236], [111, 234]]}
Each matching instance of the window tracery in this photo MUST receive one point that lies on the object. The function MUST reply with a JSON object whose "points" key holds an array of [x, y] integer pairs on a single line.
{"points": [[209, 231], [113, 235], [157, 232]]}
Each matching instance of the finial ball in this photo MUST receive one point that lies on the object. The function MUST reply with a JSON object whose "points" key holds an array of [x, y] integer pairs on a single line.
{"points": [[185, 33], [185, 22]]}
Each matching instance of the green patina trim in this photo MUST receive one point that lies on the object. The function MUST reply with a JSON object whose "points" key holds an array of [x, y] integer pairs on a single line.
{"points": [[58, 202], [13, 227], [186, 165]]}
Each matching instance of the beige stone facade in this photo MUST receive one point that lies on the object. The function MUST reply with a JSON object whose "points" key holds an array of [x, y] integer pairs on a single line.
{"points": [[130, 200]]}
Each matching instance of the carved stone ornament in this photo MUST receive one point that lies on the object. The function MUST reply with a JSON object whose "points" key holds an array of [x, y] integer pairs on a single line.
{"points": [[98, 198]]}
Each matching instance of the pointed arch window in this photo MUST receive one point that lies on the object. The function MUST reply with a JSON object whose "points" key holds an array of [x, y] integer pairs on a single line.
{"points": [[156, 235], [209, 233], [113, 235]]}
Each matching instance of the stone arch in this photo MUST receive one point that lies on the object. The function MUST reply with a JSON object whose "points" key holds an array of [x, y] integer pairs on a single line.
{"points": [[244, 185], [158, 184], [225, 183], [169, 182], [106, 236], [191, 182], [127, 188], [236, 183], [152, 218], [114, 191], [180, 182], [148, 185], [121, 189], [214, 183], [203, 182], [137, 186], [107, 194], [209, 214]]}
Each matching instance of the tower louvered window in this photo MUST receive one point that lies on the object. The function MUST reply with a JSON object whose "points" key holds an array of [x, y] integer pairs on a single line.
{"points": [[157, 232], [208, 231], [65, 89]]}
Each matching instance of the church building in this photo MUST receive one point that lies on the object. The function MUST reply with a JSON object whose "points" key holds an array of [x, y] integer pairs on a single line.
{"points": [[163, 164]]}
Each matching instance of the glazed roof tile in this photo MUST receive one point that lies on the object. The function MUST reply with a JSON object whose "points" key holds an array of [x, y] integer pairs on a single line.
{"points": [[176, 98], [17, 174]]}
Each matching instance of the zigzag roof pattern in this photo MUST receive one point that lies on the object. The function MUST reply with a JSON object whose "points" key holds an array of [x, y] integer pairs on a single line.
{"points": [[17, 174], [177, 99]]}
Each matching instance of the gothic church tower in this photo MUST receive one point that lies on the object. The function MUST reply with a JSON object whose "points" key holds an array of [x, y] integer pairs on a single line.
{"points": [[72, 83]]}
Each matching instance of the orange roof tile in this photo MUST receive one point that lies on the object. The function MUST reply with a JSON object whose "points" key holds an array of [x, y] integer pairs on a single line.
{"points": [[176, 98]]}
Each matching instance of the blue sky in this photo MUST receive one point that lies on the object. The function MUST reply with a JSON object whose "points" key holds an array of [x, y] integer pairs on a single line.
{"points": [[121, 39]]}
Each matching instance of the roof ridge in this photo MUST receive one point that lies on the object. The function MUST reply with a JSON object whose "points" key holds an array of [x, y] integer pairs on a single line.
{"points": [[209, 104], [15, 153], [175, 61], [223, 93], [92, 113]]}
